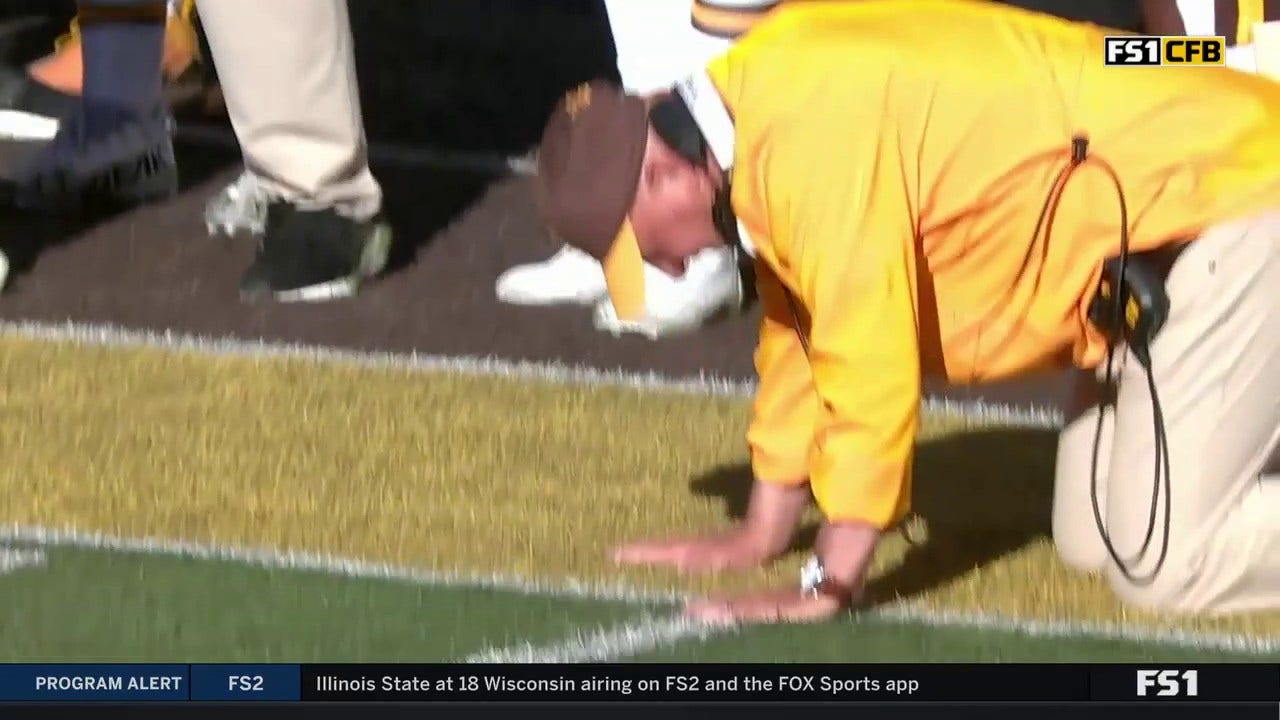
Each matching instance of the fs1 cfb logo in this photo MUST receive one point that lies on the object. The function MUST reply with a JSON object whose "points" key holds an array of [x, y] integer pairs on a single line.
{"points": [[1168, 683], [1152, 50]]}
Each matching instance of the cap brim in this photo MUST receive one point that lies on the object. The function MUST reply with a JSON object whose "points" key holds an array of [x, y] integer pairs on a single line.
{"points": [[624, 275]]}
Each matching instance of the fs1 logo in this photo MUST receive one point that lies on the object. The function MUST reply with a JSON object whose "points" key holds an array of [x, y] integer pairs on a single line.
{"points": [[1171, 683], [1159, 50]]}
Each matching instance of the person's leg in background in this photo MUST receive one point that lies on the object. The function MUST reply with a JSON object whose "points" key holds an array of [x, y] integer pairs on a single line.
{"points": [[1119, 14], [1216, 369], [63, 69], [115, 147], [1235, 20], [34, 99], [1232, 19], [657, 43], [31, 106], [287, 72]]}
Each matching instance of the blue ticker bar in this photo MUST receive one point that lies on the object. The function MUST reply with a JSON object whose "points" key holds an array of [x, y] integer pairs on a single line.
{"points": [[149, 683], [1257, 683]]}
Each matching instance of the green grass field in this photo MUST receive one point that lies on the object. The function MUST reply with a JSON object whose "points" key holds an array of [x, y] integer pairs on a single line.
{"points": [[472, 532], [111, 606]]}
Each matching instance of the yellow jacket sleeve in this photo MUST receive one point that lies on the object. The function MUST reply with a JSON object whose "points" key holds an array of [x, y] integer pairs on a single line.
{"points": [[786, 407], [850, 248]]}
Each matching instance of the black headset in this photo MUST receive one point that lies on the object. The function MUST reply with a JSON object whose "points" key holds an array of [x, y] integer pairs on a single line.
{"points": [[1131, 307]]}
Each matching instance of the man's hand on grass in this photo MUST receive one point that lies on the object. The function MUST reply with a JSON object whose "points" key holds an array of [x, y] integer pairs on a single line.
{"points": [[772, 515], [786, 605], [729, 550], [845, 549]]}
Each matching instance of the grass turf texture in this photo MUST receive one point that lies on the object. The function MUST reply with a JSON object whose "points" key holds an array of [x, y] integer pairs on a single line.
{"points": [[485, 475], [877, 640], [156, 608], [87, 606]]}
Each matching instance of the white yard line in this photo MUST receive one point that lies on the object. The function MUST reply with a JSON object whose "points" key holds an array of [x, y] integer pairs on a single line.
{"points": [[561, 373], [12, 560], [329, 565], [1226, 642], [647, 633], [605, 644]]}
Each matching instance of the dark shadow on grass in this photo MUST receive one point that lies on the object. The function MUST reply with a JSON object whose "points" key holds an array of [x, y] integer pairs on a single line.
{"points": [[981, 494]]}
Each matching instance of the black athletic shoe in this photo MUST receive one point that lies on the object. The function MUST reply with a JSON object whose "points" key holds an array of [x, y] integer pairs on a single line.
{"points": [[117, 162], [315, 255], [30, 110]]}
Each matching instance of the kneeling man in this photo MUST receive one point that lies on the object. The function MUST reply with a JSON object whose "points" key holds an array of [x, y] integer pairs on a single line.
{"points": [[941, 189]]}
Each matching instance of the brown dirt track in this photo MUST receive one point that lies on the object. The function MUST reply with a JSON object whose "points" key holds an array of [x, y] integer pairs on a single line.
{"points": [[448, 73], [457, 230]]}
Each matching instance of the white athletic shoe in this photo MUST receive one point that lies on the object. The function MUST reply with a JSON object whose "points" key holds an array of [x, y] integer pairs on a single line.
{"points": [[4, 269], [240, 206], [710, 286], [570, 277]]}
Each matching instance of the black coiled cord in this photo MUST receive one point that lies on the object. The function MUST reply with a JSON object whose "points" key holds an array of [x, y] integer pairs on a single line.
{"points": [[1162, 484]]}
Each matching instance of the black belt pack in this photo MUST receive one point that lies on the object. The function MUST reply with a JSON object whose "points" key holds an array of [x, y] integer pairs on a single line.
{"points": [[1145, 301]]}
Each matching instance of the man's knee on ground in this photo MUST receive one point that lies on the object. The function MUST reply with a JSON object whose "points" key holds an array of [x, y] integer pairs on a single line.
{"points": [[1076, 537], [1075, 530], [1083, 452], [1166, 592], [1078, 549]]}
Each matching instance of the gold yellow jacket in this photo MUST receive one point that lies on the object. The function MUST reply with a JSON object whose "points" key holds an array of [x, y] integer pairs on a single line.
{"points": [[890, 162]]}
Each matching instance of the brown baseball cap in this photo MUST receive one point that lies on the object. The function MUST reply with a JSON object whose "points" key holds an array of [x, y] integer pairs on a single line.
{"points": [[589, 163]]}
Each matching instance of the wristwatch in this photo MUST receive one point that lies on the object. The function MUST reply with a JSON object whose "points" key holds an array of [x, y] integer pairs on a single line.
{"points": [[815, 581]]}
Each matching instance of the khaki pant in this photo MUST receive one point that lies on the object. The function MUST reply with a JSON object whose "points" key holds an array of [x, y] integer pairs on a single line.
{"points": [[288, 74], [1217, 372]]}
